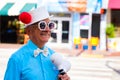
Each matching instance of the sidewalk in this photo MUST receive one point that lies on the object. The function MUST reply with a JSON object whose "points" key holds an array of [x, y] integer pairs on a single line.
{"points": [[17, 46], [68, 52], [8, 45]]}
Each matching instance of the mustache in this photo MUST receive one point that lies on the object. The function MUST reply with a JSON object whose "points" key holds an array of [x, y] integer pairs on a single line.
{"points": [[45, 31]]}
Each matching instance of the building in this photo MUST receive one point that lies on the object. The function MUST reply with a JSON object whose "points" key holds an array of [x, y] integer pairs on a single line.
{"points": [[11, 29], [113, 17], [74, 19]]}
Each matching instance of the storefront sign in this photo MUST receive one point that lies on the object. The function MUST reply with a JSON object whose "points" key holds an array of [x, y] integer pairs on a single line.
{"points": [[81, 6], [77, 5]]}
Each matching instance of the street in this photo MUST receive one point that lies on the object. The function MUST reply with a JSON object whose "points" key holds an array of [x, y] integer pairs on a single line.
{"points": [[93, 69], [83, 68]]}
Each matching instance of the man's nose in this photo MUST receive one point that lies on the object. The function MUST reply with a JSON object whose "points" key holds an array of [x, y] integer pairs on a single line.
{"points": [[47, 28]]}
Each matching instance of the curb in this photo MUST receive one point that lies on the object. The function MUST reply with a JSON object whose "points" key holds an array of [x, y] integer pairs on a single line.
{"points": [[92, 55]]}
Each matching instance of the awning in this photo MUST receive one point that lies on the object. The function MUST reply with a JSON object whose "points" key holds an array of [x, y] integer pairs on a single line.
{"points": [[114, 4], [4, 10], [16, 8], [28, 7]]}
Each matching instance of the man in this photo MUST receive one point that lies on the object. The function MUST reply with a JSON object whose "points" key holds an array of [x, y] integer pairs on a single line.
{"points": [[32, 61]]}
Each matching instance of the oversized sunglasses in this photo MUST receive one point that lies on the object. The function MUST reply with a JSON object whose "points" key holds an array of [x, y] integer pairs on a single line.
{"points": [[42, 25]]}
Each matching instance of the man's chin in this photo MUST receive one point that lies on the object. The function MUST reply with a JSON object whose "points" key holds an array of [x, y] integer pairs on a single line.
{"points": [[45, 41]]}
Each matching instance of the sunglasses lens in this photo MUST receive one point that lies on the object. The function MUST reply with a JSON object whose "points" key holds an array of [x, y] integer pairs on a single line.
{"points": [[42, 25], [51, 25]]}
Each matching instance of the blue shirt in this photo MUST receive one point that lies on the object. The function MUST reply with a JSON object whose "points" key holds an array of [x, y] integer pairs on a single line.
{"points": [[22, 65]]}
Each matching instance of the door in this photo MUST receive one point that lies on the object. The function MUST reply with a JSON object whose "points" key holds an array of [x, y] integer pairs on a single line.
{"points": [[65, 31], [61, 36]]}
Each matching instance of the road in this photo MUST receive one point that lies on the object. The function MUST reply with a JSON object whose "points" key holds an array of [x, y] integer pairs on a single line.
{"points": [[93, 68], [83, 68]]}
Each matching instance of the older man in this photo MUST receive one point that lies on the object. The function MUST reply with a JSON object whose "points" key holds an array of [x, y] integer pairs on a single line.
{"points": [[32, 61]]}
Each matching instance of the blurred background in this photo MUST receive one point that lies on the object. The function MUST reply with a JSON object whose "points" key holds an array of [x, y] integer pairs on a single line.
{"points": [[79, 22], [86, 32]]}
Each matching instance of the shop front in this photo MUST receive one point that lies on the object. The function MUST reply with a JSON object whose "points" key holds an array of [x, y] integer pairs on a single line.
{"points": [[114, 19], [114, 11], [74, 20], [11, 29], [86, 19]]}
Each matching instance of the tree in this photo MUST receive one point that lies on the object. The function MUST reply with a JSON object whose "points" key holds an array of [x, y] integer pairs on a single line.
{"points": [[110, 31]]}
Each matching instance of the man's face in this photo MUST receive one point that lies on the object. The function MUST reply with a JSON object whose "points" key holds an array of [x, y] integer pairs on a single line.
{"points": [[40, 36]]}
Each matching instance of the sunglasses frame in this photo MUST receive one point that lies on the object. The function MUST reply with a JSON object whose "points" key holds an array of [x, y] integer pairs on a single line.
{"points": [[46, 25]]}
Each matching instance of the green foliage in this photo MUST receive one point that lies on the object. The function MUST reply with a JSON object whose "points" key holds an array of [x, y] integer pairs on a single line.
{"points": [[110, 31]]}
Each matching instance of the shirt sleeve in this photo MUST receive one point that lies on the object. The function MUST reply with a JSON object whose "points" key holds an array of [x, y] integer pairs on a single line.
{"points": [[12, 70]]}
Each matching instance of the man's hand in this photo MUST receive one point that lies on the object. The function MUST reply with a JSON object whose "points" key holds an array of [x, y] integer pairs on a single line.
{"points": [[64, 77]]}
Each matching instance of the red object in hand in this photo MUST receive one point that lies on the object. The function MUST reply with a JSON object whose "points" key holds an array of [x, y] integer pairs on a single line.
{"points": [[25, 17]]}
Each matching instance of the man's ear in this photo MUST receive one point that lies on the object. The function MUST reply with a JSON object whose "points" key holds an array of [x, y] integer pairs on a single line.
{"points": [[27, 30]]}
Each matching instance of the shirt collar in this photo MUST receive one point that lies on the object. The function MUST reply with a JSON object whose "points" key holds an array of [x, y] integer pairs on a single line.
{"points": [[36, 50]]}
